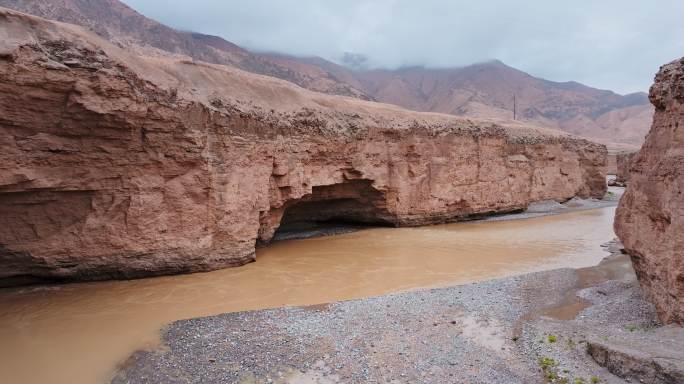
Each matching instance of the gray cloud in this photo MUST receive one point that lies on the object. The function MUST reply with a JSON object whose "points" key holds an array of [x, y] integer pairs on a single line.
{"points": [[611, 44]]}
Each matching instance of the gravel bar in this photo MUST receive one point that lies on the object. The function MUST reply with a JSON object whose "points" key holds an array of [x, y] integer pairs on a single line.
{"points": [[474, 333]]}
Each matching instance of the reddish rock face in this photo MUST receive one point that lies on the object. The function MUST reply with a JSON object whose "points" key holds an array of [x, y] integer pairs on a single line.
{"points": [[611, 163], [120, 166], [650, 218], [623, 162]]}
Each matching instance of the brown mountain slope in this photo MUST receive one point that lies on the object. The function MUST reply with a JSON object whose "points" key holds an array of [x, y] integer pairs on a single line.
{"points": [[123, 26], [118, 23], [487, 89], [480, 90]]}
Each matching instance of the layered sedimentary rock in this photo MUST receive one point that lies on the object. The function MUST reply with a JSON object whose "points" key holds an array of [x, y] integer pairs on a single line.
{"points": [[119, 166], [649, 219]]}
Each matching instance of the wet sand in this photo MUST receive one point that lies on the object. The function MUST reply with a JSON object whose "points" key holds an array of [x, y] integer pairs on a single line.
{"points": [[78, 333]]}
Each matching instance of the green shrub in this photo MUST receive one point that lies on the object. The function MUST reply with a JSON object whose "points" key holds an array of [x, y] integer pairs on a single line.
{"points": [[547, 362]]}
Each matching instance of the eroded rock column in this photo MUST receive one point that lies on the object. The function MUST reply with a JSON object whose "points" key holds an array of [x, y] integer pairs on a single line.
{"points": [[650, 217]]}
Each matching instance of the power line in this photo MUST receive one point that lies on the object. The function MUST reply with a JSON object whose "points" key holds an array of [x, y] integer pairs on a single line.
{"points": [[514, 108]]}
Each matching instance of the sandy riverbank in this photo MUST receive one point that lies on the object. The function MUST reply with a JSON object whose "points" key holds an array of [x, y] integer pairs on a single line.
{"points": [[497, 331]]}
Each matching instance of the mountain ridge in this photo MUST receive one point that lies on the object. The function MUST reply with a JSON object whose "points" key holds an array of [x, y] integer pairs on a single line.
{"points": [[478, 90]]}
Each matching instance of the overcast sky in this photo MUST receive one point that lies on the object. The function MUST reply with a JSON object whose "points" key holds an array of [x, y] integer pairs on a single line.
{"points": [[610, 44]]}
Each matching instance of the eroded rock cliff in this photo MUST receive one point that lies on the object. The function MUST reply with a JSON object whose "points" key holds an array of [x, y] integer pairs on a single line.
{"points": [[649, 219], [118, 166], [623, 161]]}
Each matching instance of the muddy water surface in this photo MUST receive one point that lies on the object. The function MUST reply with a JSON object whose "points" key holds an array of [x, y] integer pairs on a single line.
{"points": [[77, 333]]}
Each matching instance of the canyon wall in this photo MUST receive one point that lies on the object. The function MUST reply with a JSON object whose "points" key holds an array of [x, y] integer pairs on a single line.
{"points": [[120, 166], [622, 163], [611, 163], [649, 220]]}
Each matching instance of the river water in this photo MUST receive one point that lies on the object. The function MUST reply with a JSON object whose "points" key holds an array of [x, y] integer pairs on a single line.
{"points": [[78, 333]]}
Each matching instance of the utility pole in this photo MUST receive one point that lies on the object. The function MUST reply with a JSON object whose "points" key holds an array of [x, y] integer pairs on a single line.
{"points": [[514, 108]]}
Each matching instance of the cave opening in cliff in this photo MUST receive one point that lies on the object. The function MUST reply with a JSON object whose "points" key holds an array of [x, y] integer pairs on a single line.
{"points": [[333, 209]]}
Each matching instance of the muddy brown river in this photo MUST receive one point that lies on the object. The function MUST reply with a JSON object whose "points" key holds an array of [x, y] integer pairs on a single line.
{"points": [[78, 333]]}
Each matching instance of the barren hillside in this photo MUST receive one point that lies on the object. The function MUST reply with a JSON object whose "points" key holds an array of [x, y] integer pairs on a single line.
{"points": [[480, 90]]}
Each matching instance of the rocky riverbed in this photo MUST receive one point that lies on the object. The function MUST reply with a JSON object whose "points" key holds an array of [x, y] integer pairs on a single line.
{"points": [[531, 328]]}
